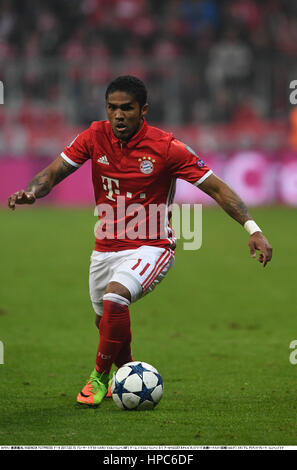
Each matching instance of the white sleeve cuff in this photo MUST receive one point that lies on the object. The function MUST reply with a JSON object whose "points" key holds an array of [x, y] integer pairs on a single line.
{"points": [[203, 178], [67, 159]]}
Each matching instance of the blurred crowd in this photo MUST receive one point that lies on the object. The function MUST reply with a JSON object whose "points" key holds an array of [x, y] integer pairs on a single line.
{"points": [[204, 61]]}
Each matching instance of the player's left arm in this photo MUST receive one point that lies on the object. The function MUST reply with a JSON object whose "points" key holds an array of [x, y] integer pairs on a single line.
{"points": [[236, 208]]}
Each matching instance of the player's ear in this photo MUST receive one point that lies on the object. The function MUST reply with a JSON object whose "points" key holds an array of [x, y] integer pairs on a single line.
{"points": [[144, 110]]}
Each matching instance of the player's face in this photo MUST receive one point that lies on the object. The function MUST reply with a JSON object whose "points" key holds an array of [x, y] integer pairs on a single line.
{"points": [[124, 114]]}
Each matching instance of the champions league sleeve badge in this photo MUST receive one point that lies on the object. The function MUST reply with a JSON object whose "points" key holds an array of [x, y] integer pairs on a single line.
{"points": [[199, 162]]}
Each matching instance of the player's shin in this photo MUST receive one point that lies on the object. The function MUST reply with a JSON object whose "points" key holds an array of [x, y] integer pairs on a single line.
{"points": [[125, 354], [114, 330]]}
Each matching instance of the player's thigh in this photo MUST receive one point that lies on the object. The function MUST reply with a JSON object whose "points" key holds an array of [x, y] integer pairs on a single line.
{"points": [[102, 267], [141, 271], [99, 274]]}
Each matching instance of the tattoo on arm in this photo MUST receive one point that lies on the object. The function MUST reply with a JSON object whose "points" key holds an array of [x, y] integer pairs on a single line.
{"points": [[226, 198], [44, 181], [40, 184], [64, 169], [234, 206]]}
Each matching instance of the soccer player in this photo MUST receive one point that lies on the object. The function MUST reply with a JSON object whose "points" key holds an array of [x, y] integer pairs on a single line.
{"points": [[134, 169]]}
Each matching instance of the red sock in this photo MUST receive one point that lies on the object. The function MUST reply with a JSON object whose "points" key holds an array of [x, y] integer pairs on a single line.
{"points": [[114, 330], [125, 354]]}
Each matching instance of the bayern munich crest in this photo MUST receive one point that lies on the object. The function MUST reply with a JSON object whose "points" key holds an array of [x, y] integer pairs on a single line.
{"points": [[146, 165]]}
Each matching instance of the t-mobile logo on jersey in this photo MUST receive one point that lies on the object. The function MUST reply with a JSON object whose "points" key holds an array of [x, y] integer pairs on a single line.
{"points": [[111, 185], [1, 93]]}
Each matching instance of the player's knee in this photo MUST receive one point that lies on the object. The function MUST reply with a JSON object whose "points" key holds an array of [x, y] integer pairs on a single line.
{"points": [[117, 288]]}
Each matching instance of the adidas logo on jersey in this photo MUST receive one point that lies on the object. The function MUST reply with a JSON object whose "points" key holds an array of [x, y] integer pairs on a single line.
{"points": [[103, 160]]}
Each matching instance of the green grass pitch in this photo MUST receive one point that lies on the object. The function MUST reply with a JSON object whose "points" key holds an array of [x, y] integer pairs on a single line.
{"points": [[218, 329]]}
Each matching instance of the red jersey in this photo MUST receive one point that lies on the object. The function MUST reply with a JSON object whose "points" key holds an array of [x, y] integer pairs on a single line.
{"points": [[134, 183]]}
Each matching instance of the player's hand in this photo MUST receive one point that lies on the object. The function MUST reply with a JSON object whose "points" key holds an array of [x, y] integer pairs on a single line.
{"points": [[21, 197], [257, 241]]}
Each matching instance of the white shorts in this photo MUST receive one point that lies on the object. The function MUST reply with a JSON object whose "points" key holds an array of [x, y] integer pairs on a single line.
{"points": [[139, 270]]}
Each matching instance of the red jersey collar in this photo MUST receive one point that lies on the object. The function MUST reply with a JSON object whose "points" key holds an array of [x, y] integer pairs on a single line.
{"points": [[134, 140]]}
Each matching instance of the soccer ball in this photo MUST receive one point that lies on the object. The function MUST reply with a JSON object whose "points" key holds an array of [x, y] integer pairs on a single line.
{"points": [[136, 386]]}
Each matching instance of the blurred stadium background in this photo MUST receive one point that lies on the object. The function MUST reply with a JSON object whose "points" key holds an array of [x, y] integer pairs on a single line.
{"points": [[218, 75]]}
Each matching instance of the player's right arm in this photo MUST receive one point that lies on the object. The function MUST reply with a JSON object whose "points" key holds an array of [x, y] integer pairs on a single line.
{"points": [[42, 183], [74, 155]]}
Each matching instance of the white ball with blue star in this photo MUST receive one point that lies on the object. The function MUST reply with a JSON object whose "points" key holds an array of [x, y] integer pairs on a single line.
{"points": [[137, 386]]}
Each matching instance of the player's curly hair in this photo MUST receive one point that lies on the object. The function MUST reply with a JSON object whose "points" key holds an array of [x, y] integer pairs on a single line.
{"points": [[130, 84]]}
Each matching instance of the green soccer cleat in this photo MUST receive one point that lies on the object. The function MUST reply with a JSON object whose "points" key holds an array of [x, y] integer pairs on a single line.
{"points": [[95, 390], [109, 394]]}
